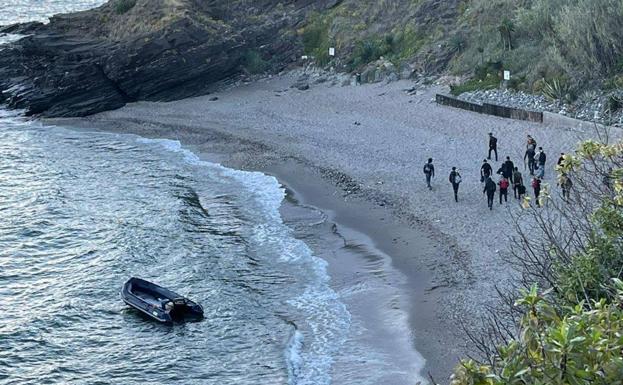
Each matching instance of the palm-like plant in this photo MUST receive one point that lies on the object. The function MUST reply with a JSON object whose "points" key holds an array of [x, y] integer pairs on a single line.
{"points": [[506, 29]]}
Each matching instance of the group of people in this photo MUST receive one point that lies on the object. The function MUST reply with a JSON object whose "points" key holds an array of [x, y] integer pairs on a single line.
{"points": [[509, 175]]}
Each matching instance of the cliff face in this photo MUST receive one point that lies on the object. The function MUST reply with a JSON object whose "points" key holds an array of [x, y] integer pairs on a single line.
{"points": [[158, 50], [101, 59]]}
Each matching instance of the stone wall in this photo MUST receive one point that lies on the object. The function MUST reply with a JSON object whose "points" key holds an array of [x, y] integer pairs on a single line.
{"points": [[491, 109]]}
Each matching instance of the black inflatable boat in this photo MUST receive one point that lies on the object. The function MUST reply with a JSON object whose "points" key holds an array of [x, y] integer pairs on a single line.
{"points": [[159, 303]]}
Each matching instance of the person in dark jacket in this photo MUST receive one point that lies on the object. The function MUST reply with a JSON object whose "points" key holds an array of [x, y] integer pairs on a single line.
{"points": [[490, 191], [485, 170], [493, 146], [455, 180], [507, 169], [529, 157], [429, 171], [517, 182], [565, 184]]}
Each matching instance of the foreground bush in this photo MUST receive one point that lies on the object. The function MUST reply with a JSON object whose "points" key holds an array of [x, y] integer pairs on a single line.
{"points": [[584, 345], [572, 333]]}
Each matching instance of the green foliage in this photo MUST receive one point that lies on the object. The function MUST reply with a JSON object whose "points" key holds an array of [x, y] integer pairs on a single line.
{"points": [[370, 50], [253, 62], [486, 77], [557, 89], [614, 103], [394, 46], [571, 334], [315, 37], [580, 40], [580, 346], [123, 6]]}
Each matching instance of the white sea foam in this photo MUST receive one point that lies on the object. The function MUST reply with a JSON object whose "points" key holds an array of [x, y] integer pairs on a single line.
{"points": [[325, 320]]}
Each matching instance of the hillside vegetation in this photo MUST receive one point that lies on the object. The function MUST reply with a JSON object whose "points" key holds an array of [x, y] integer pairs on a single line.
{"points": [[573, 43]]}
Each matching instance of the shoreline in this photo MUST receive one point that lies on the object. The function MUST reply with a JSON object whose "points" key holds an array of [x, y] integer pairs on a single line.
{"points": [[366, 145], [370, 227]]}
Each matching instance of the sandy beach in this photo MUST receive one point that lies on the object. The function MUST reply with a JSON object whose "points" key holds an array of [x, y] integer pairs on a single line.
{"points": [[357, 152]]}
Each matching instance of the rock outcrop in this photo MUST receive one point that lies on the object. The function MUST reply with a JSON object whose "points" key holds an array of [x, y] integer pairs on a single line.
{"points": [[158, 50]]}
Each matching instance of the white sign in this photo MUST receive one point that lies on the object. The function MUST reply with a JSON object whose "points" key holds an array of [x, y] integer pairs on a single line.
{"points": [[507, 75], [331, 51]]}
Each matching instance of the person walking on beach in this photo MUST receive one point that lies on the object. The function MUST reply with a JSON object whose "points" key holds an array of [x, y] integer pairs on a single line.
{"points": [[529, 157], [565, 184], [531, 143], [493, 146], [517, 182], [539, 171], [429, 171], [485, 170], [455, 180], [541, 158], [507, 169], [504, 184], [490, 191], [536, 187]]}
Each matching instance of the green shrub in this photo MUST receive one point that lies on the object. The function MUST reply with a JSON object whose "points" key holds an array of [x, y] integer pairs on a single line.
{"points": [[614, 103], [517, 83], [123, 6], [488, 83], [558, 90], [580, 346], [315, 38], [369, 50], [253, 62]]}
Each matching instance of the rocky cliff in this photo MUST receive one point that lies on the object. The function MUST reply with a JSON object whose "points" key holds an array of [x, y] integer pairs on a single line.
{"points": [[158, 50], [91, 61]]}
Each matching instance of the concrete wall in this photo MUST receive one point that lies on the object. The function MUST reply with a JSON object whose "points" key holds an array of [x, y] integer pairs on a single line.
{"points": [[551, 119], [491, 109]]}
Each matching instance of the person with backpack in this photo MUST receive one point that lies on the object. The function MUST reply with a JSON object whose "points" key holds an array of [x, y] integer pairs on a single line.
{"points": [[485, 170], [493, 146], [504, 184], [507, 169], [489, 189], [517, 182], [529, 156], [429, 171], [536, 187], [455, 180]]}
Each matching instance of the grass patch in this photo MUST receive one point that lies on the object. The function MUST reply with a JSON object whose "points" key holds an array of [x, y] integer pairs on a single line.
{"points": [[489, 83], [395, 47], [315, 37], [123, 6], [254, 63]]}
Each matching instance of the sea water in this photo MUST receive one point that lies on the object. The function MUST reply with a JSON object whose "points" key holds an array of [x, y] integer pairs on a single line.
{"points": [[81, 212]]}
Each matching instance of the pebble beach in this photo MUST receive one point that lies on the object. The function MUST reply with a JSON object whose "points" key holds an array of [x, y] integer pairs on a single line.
{"points": [[369, 144]]}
